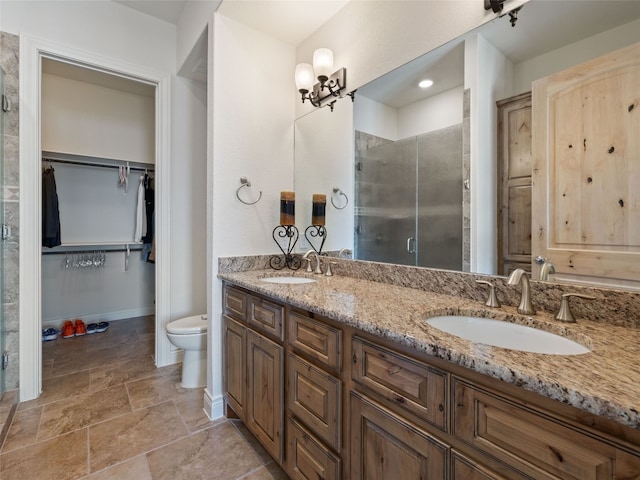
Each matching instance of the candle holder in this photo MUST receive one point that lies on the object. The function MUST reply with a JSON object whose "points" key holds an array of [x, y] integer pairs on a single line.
{"points": [[290, 233], [315, 232]]}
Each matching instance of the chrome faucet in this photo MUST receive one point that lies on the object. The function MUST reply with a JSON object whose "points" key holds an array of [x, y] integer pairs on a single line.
{"points": [[519, 276], [547, 269], [343, 251], [318, 270]]}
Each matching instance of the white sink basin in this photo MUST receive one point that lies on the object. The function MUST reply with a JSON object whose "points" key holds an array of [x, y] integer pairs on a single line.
{"points": [[507, 335], [288, 280]]}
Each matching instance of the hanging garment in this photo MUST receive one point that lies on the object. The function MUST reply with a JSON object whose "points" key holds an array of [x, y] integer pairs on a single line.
{"points": [[149, 202], [141, 220], [50, 210]]}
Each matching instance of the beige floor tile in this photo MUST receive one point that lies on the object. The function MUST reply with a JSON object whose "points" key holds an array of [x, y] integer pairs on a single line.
{"points": [[127, 436], [189, 405], [59, 388], [150, 391], [268, 472], [216, 453], [61, 458], [23, 430], [252, 441], [134, 469], [82, 411], [132, 351], [122, 372]]}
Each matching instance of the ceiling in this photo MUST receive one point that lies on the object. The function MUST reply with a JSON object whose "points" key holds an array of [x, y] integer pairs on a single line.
{"points": [[291, 21]]}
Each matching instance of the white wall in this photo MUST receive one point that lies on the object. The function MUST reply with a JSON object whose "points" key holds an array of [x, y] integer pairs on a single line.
{"points": [[574, 54], [194, 19], [324, 160], [375, 118], [189, 199], [433, 113], [488, 75], [252, 136], [87, 119]]}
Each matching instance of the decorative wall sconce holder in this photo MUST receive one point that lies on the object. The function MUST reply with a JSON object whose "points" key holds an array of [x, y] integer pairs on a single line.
{"points": [[313, 232], [290, 234]]}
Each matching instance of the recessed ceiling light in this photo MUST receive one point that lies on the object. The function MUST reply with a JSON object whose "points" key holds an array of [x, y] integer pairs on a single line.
{"points": [[425, 83]]}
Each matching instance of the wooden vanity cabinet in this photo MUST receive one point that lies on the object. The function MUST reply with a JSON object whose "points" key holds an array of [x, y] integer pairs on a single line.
{"points": [[332, 402]]}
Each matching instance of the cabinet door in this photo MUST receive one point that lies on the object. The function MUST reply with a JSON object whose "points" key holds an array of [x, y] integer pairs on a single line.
{"points": [[514, 183], [586, 154], [265, 392], [384, 447], [307, 457], [234, 358]]}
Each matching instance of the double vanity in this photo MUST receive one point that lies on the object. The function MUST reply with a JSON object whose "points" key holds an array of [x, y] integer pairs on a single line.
{"points": [[343, 377]]}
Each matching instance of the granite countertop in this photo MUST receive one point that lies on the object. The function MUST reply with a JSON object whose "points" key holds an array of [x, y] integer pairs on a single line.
{"points": [[605, 382]]}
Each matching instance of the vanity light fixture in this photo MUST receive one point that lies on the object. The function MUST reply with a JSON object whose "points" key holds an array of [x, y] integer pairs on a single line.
{"points": [[426, 83], [330, 84]]}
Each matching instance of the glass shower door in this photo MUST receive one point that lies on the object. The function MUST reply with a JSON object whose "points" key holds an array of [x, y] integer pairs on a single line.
{"points": [[385, 191]]}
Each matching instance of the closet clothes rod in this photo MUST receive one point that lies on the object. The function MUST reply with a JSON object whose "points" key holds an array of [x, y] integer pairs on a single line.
{"points": [[99, 165], [71, 252]]}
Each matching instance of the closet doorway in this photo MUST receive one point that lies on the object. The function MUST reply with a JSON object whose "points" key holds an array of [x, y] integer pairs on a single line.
{"points": [[32, 267], [98, 255]]}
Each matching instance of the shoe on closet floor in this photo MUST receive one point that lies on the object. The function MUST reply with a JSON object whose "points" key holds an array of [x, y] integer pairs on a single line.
{"points": [[49, 334], [102, 327], [67, 330], [81, 329], [92, 328]]}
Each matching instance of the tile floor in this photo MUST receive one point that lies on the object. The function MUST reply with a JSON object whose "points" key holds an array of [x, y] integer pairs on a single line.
{"points": [[106, 412]]}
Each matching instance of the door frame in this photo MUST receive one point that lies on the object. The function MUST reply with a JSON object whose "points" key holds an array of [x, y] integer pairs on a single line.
{"points": [[32, 50]]}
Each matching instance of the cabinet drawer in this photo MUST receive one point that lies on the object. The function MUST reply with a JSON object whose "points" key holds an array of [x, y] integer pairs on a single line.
{"points": [[314, 397], [463, 468], [411, 385], [266, 316], [526, 440], [306, 456], [315, 339], [235, 302]]}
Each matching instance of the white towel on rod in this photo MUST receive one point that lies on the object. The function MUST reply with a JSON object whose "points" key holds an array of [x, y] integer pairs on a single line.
{"points": [[141, 214]]}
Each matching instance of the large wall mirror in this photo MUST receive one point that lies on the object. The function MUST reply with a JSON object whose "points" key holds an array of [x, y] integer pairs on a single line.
{"points": [[423, 170]]}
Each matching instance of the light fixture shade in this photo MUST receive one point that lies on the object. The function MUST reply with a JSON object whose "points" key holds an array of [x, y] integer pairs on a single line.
{"points": [[304, 77], [323, 62]]}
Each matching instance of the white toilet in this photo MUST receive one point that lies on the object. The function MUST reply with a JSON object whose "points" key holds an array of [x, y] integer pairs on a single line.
{"points": [[190, 334]]}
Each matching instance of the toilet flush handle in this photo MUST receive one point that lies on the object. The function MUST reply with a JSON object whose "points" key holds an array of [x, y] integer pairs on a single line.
{"points": [[203, 317]]}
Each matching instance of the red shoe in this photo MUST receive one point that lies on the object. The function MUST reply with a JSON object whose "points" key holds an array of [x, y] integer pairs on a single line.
{"points": [[80, 328], [67, 330]]}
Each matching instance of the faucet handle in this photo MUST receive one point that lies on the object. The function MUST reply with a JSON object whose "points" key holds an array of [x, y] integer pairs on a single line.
{"points": [[564, 314], [492, 299], [329, 273], [308, 260]]}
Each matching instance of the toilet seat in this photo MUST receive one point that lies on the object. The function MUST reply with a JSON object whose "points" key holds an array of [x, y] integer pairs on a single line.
{"points": [[188, 325]]}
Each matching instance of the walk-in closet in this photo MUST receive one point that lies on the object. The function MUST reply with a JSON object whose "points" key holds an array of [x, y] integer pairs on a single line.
{"points": [[98, 196]]}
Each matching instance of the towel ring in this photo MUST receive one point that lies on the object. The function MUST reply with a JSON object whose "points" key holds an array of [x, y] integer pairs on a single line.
{"points": [[244, 182], [346, 199]]}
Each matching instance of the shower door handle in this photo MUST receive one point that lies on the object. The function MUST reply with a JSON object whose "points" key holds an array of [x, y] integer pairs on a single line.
{"points": [[411, 245]]}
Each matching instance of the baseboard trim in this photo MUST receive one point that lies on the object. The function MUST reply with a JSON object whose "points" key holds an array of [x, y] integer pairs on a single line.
{"points": [[102, 317], [213, 407]]}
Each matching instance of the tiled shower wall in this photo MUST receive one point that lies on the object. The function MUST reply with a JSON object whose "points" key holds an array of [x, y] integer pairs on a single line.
{"points": [[9, 55]]}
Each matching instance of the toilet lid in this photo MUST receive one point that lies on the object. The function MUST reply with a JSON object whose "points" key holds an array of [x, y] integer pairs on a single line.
{"points": [[188, 325]]}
